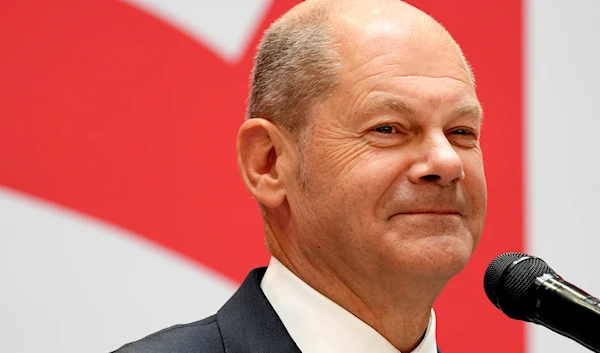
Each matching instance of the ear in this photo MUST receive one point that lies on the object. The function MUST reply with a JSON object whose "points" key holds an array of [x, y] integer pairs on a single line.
{"points": [[259, 146]]}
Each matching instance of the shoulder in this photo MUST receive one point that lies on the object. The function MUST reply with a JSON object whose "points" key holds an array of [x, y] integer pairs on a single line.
{"points": [[198, 337]]}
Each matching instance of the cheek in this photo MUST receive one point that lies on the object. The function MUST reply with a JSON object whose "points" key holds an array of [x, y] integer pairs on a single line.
{"points": [[338, 164], [349, 185], [368, 177], [476, 186]]}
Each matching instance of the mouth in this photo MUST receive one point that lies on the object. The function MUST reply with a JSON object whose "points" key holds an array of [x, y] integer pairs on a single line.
{"points": [[432, 212], [429, 213]]}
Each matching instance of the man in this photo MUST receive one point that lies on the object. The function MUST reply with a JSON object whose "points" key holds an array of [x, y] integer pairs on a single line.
{"points": [[362, 148]]}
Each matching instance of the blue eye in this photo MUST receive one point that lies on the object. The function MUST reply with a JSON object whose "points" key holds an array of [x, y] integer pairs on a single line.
{"points": [[385, 129]]}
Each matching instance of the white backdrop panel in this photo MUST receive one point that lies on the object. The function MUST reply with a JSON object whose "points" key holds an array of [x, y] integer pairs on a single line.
{"points": [[562, 73]]}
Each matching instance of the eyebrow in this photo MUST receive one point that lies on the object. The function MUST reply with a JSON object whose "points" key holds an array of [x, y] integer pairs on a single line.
{"points": [[391, 104], [396, 106], [470, 109]]}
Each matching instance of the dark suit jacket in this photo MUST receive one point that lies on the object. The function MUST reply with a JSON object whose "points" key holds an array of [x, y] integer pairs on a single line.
{"points": [[247, 323]]}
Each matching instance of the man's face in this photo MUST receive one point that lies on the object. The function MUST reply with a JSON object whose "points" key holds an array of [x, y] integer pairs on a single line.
{"points": [[393, 171]]}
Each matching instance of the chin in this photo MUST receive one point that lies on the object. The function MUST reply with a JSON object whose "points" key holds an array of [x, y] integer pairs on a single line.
{"points": [[439, 257]]}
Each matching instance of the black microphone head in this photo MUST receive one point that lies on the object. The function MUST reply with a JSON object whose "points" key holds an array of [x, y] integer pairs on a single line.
{"points": [[508, 279]]}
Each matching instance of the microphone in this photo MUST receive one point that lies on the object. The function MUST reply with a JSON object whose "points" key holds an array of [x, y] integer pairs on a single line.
{"points": [[525, 288]]}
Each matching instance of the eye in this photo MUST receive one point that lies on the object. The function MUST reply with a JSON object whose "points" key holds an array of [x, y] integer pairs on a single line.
{"points": [[387, 134], [467, 132], [462, 132], [464, 137], [386, 129]]}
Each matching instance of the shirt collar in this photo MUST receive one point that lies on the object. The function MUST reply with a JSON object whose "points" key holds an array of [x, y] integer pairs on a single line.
{"points": [[319, 325]]}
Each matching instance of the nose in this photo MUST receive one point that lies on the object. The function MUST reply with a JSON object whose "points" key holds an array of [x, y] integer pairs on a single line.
{"points": [[437, 162]]}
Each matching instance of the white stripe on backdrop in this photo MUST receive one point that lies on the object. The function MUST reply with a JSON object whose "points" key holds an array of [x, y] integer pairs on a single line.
{"points": [[562, 75], [75, 284], [205, 21]]}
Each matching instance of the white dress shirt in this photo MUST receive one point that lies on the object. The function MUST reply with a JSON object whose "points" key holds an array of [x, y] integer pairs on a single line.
{"points": [[319, 325]]}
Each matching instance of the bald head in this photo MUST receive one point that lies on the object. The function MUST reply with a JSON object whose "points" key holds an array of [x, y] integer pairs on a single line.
{"points": [[301, 56]]}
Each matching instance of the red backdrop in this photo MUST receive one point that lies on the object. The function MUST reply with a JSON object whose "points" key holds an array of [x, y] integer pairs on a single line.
{"points": [[113, 113]]}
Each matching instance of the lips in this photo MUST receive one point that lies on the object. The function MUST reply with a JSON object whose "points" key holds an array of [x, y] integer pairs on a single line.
{"points": [[439, 212], [442, 210]]}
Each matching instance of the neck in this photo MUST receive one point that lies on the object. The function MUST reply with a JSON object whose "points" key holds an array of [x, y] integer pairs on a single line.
{"points": [[399, 309]]}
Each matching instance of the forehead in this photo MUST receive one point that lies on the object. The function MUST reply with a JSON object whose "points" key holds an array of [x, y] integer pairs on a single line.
{"points": [[415, 46], [415, 62]]}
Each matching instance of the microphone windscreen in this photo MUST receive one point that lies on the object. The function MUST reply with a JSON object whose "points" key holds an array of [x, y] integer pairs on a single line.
{"points": [[508, 279]]}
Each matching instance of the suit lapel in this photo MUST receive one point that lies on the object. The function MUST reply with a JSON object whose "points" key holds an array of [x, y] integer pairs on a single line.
{"points": [[248, 323]]}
